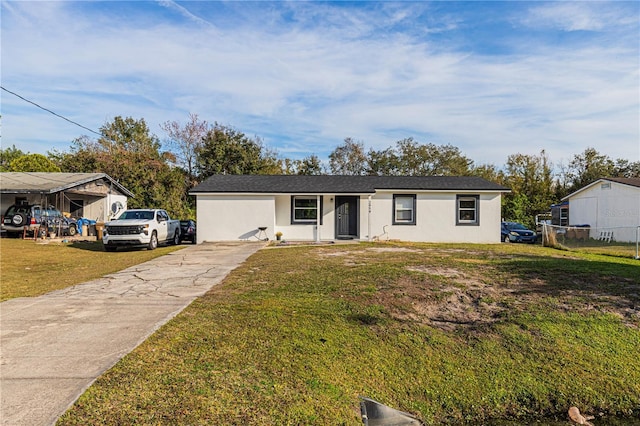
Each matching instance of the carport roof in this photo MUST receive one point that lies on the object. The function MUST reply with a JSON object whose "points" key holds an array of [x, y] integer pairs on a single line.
{"points": [[297, 184], [50, 183]]}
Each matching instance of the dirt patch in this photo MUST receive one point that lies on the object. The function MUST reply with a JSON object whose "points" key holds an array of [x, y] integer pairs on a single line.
{"points": [[449, 298], [393, 249], [471, 291]]}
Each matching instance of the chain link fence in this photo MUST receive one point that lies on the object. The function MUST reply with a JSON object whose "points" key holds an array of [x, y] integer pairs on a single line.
{"points": [[616, 241]]}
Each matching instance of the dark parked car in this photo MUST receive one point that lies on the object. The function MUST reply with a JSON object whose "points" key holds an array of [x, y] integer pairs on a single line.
{"points": [[514, 232], [188, 231], [33, 216]]}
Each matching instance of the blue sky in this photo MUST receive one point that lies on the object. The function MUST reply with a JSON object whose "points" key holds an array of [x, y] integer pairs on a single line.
{"points": [[492, 78]]}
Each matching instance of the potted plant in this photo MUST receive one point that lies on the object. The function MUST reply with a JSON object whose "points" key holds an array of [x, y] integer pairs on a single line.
{"points": [[278, 235]]}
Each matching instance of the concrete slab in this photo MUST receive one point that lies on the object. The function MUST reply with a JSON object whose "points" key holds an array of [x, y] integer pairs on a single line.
{"points": [[53, 347]]}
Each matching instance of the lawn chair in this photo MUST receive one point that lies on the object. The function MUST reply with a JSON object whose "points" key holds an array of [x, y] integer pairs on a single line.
{"points": [[606, 236]]}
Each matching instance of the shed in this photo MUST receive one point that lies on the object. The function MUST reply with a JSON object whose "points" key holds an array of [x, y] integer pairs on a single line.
{"points": [[609, 205]]}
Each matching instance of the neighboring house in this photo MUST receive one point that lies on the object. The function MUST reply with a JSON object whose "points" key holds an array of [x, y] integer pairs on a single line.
{"points": [[607, 205], [433, 209], [94, 196]]}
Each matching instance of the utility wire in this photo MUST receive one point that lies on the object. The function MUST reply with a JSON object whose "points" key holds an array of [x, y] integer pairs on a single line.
{"points": [[49, 111]]}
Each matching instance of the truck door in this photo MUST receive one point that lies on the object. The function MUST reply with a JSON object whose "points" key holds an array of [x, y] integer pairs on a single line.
{"points": [[163, 222]]}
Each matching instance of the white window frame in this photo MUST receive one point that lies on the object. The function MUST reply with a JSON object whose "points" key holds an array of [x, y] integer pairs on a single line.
{"points": [[294, 208], [475, 209], [412, 220]]}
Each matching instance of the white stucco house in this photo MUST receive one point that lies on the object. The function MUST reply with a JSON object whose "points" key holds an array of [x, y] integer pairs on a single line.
{"points": [[320, 208], [607, 205], [95, 196]]}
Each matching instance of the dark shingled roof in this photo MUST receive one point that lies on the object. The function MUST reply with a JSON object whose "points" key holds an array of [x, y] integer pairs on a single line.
{"points": [[295, 184]]}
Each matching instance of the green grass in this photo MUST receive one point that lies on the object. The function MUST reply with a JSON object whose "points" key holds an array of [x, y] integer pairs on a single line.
{"points": [[449, 333], [30, 269]]}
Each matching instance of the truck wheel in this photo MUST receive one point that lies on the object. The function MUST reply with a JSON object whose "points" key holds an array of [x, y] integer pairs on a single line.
{"points": [[153, 242], [176, 239], [72, 230], [506, 239]]}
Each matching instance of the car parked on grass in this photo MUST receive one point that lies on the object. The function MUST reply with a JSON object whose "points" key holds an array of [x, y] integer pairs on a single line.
{"points": [[34, 217], [188, 231], [514, 232]]}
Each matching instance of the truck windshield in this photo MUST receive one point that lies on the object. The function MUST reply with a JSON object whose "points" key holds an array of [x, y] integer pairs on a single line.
{"points": [[141, 214]]}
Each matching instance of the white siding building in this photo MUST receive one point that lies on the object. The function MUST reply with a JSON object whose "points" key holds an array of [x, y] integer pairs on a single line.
{"points": [[320, 208], [607, 205]]}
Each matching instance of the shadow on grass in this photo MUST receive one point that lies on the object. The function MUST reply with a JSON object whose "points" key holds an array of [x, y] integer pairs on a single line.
{"points": [[616, 285], [87, 245], [98, 246]]}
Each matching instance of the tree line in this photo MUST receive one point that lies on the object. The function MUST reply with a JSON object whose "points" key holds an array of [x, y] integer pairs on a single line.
{"points": [[130, 153]]}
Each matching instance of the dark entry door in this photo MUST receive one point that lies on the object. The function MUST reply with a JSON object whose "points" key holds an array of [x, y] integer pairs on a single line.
{"points": [[346, 217]]}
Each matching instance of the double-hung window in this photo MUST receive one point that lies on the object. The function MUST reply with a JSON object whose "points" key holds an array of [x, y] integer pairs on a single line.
{"points": [[404, 209], [304, 209], [467, 210]]}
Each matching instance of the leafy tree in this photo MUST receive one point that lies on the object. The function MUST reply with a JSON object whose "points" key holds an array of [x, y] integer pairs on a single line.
{"points": [[33, 163], [489, 172], [348, 159], [626, 169], [130, 154], [186, 141], [7, 155], [410, 158], [383, 163], [587, 167], [430, 160], [225, 150], [530, 178], [310, 165]]}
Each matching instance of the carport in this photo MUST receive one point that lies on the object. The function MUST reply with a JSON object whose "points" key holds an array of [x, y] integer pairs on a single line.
{"points": [[95, 196]]}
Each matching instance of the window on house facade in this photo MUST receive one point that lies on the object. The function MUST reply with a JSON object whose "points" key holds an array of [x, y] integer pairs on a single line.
{"points": [[467, 210], [304, 209], [404, 209]]}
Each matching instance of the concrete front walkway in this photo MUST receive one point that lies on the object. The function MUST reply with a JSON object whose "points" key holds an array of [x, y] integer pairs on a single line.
{"points": [[54, 346]]}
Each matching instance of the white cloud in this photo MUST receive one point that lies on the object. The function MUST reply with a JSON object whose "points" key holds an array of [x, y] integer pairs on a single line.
{"points": [[581, 15], [306, 75]]}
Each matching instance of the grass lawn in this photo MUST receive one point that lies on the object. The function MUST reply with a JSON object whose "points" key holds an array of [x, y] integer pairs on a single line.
{"points": [[29, 269], [450, 333]]}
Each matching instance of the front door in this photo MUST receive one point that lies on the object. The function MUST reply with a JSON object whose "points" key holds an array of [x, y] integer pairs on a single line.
{"points": [[346, 217]]}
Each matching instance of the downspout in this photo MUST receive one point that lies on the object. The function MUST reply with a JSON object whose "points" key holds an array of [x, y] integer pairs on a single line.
{"points": [[318, 216], [369, 238]]}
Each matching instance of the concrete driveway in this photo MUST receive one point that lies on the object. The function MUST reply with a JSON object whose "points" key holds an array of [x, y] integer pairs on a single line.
{"points": [[54, 346]]}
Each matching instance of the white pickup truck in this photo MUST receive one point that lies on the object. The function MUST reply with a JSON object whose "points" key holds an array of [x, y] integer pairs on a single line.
{"points": [[141, 227]]}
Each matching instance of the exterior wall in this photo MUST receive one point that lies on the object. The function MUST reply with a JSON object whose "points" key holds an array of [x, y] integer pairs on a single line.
{"points": [[435, 219], [234, 217], [304, 232], [615, 208]]}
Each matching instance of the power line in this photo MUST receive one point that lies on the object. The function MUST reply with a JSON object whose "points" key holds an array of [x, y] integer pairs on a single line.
{"points": [[49, 111]]}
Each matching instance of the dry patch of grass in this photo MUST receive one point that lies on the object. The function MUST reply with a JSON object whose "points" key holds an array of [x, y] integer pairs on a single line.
{"points": [[449, 333], [29, 268]]}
